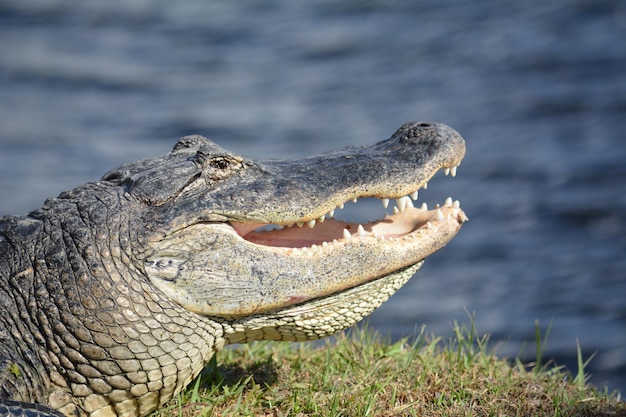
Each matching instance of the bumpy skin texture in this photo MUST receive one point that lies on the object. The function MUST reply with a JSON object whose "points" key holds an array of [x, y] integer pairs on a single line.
{"points": [[22, 409], [114, 295]]}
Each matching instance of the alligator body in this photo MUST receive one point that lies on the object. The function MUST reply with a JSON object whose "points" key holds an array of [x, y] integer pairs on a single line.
{"points": [[115, 295]]}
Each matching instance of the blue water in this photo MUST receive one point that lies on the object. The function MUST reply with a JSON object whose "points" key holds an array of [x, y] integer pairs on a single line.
{"points": [[538, 89]]}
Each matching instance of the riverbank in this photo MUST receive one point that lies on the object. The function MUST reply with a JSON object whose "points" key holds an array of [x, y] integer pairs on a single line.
{"points": [[361, 373]]}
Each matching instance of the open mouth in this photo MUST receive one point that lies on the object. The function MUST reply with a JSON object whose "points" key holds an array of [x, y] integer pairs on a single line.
{"points": [[251, 267], [407, 221]]}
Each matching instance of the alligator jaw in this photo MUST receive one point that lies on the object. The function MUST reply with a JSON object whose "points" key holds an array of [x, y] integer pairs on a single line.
{"points": [[268, 270], [214, 261]]}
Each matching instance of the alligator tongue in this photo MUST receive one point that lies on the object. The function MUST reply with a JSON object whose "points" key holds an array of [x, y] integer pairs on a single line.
{"points": [[394, 226]]}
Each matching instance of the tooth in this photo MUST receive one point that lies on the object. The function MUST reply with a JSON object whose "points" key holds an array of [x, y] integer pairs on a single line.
{"points": [[395, 210], [331, 214], [311, 224], [425, 186], [401, 202], [448, 202], [453, 171], [385, 202], [409, 202], [446, 171], [456, 204], [322, 218], [314, 246], [424, 206], [300, 224], [324, 243], [440, 217], [340, 206], [360, 231], [455, 213], [414, 195], [354, 200], [428, 225], [346, 234]]}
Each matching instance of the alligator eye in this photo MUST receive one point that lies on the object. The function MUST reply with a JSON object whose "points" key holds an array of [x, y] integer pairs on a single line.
{"points": [[219, 163]]}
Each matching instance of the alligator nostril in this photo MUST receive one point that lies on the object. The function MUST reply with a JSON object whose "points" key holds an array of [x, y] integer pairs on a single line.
{"points": [[424, 124]]}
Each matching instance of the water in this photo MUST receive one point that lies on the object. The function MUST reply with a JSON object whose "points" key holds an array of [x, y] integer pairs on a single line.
{"points": [[538, 91]]}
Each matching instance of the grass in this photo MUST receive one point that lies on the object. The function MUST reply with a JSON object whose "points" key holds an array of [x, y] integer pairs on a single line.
{"points": [[361, 373]]}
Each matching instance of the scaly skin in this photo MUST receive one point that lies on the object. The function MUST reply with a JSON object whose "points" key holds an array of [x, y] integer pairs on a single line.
{"points": [[117, 293]]}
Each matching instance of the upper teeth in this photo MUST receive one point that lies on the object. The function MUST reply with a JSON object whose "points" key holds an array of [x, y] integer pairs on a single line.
{"points": [[450, 171], [402, 204]]}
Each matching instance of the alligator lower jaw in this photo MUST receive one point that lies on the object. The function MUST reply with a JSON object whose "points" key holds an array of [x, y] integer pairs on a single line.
{"points": [[407, 223], [211, 269]]}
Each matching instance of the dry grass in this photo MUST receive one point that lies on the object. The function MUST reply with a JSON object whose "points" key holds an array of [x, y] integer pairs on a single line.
{"points": [[361, 374]]}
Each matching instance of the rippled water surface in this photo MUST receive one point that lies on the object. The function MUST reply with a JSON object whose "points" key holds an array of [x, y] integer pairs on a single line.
{"points": [[538, 91]]}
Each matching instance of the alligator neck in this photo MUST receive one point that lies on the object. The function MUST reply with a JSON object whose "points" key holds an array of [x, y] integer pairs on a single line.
{"points": [[101, 337], [23, 375]]}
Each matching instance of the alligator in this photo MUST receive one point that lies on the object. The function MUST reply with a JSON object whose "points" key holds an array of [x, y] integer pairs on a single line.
{"points": [[117, 293]]}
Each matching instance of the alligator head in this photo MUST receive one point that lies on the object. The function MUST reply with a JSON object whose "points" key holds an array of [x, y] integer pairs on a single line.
{"points": [[226, 236], [125, 287]]}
